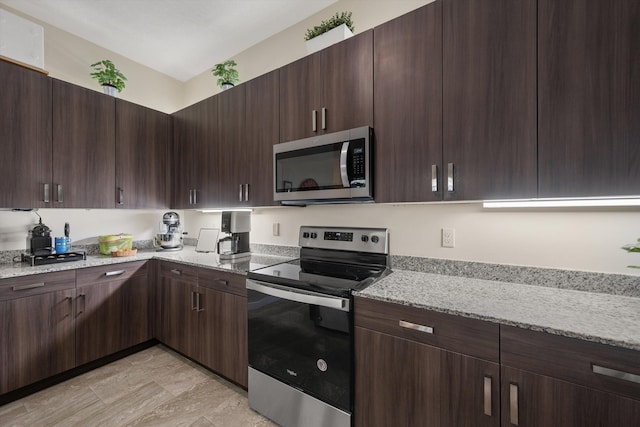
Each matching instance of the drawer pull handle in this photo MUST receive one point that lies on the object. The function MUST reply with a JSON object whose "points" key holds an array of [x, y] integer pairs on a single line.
{"points": [[626, 376], [416, 327], [487, 396], [513, 404], [29, 286], [176, 271], [223, 282], [115, 273], [194, 301]]}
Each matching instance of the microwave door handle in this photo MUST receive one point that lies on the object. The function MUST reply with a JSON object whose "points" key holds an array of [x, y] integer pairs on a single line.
{"points": [[343, 165]]}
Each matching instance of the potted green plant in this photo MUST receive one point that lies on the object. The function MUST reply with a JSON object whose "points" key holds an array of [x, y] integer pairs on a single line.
{"points": [[226, 73], [632, 247], [111, 79], [337, 28]]}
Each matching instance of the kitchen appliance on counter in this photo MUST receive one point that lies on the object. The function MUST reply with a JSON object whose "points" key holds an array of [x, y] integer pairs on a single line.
{"points": [[41, 251], [300, 325], [170, 233], [235, 246], [330, 168], [39, 239]]}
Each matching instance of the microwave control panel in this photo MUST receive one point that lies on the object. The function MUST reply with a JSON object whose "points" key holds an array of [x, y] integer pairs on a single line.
{"points": [[357, 163]]}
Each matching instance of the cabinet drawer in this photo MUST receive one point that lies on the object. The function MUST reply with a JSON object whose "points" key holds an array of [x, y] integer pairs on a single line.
{"points": [[463, 335], [223, 281], [109, 273], [18, 287], [582, 362], [174, 270]]}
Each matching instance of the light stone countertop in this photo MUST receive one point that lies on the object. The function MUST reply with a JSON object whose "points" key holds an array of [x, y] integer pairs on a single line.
{"points": [[186, 256], [597, 317]]}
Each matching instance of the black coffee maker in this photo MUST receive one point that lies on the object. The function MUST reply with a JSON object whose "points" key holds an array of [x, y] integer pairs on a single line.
{"points": [[39, 240]]}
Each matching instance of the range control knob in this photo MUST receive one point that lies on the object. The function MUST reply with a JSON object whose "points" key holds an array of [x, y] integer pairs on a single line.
{"points": [[364, 238], [314, 235], [375, 239], [305, 235]]}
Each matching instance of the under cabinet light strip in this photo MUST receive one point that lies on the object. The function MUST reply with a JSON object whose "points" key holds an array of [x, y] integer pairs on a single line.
{"points": [[562, 203], [225, 210]]}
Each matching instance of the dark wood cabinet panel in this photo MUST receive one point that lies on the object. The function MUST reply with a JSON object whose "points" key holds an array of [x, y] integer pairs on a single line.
{"points": [[25, 137], [38, 338], [112, 314], [142, 150], [230, 147], [83, 147], [262, 118], [408, 106], [193, 154], [338, 79], [589, 97], [531, 400], [397, 382], [489, 98]]}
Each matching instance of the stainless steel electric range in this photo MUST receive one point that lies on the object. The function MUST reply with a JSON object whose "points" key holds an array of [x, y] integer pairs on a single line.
{"points": [[300, 325]]}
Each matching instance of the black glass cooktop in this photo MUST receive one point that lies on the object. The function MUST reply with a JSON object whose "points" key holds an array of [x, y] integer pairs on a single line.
{"points": [[332, 278]]}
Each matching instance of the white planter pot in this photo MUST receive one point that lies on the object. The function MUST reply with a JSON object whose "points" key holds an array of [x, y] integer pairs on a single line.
{"points": [[332, 36], [110, 90]]}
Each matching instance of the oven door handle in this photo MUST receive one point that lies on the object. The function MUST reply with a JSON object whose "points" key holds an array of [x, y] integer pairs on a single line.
{"points": [[299, 296]]}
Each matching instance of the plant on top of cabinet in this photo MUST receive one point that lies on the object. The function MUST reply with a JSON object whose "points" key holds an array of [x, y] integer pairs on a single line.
{"points": [[333, 22], [111, 79], [338, 28], [633, 247], [226, 73]]}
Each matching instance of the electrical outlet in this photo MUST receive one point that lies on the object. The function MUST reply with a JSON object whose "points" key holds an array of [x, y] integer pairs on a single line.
{"points": [[276, 228], [448, 237]]}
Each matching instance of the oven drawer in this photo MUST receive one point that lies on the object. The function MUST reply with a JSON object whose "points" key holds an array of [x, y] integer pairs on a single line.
{"points": [[463, 335], [222, 281]]}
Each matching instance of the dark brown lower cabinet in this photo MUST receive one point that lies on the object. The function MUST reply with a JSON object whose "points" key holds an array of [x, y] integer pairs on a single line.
{"points": [[112, 310], [38, 340], [532, 400]]}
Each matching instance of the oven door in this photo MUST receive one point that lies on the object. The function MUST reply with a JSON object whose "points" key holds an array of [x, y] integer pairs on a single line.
{"points": [[302, 339], [332, 166]]}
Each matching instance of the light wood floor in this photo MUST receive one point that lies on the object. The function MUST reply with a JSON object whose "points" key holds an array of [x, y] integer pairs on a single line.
{"points": [[155, 387]]}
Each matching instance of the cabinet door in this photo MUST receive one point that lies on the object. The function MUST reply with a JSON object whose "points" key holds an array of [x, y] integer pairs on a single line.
{"points": [[489, 99], [38, 338], [25, 132], [261, 133], [177, 313], [231, 152], [83, 147], [408, 106], [194, 153], [470, 391], [589, 97], [531, 400], [347, 84], [142, 166], [300, 87], [397, 381], [111, 316]]}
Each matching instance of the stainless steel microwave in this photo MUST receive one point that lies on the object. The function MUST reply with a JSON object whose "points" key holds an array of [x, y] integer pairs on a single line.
{"points": [[330, 168]]}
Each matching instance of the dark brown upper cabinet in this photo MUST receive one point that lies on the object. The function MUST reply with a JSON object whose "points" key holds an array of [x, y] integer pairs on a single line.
{"points": [[328, 91], [142, 166], [408, 106], [83, 147], [25, 138], [589, 97], [194, 142], [489, 99]]}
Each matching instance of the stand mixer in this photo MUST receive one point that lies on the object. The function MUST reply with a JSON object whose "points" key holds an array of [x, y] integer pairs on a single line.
{"points": [[170, 236], [235, 246]]}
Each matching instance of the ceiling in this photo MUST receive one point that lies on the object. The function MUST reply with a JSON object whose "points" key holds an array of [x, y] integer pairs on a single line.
{"points": [[180, 38]]}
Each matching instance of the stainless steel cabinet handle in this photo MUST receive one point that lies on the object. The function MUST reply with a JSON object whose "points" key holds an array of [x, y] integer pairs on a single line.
{"points": [[222, 282], [46, 193], [84, 304], [115, 273], [450, 177], [190, 197], [29, 286], [199, 304], [513, 404], [487, 396], [70, 300], [60, 195], [246, 192], [120, 196], [416, 327], [626, 376], [194, 303], [434, 178], [314, 121], [176, 271], [195, 196], [324, 118], [241, 193]]}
